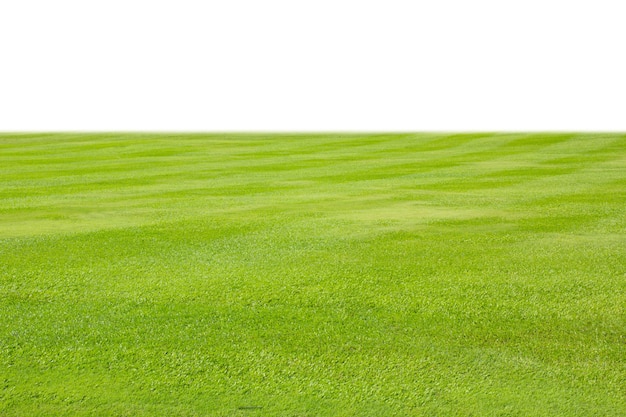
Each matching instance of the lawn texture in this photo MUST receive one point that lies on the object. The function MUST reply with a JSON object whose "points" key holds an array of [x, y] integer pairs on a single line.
{"points": [[428, 274]]}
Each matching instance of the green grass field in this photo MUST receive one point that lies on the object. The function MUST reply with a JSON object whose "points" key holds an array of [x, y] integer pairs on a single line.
{"points": [[313, 274]]}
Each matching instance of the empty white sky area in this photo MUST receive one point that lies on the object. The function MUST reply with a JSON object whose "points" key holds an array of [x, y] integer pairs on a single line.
{"points": [[339, 65]]}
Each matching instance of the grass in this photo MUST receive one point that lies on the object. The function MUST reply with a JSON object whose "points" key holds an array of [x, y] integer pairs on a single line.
{"points": [[313, 274]]}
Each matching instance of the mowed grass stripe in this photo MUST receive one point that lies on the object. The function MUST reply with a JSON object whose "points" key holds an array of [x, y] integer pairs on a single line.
{"points": [[134, 180], [281, 275]]}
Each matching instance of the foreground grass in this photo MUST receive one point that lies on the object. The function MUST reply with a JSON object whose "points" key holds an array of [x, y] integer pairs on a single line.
{"points": [[311, 275]]}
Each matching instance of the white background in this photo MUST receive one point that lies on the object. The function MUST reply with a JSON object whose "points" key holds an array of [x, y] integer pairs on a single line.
{"points": [[274, 65]]}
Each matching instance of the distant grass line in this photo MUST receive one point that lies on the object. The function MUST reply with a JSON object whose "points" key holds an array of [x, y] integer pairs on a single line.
{"points": [[348, 274]]}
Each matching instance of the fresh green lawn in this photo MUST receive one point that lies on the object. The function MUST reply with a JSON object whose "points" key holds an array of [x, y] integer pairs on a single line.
{"points": [[313, 274]]}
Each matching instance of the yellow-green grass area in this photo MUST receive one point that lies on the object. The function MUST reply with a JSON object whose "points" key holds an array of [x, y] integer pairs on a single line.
{"points": [[401, 274]]}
